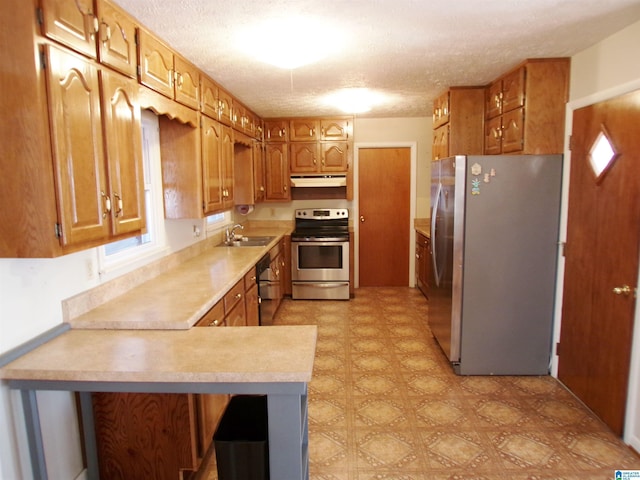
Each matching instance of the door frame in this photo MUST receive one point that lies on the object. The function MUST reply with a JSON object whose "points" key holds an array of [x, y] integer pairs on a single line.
{"points": [[633, 399], [413, 146]]}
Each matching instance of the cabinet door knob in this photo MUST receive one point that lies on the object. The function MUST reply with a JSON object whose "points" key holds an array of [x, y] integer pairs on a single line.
{"points": [[119, 204], [107, 204]]}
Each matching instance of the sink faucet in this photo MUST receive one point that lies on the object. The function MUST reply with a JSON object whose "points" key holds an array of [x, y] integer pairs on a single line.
{"points": [[230, 232]]}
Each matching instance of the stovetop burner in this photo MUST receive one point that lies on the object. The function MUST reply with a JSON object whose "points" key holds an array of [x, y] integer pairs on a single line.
{"points": [[321, 224]]}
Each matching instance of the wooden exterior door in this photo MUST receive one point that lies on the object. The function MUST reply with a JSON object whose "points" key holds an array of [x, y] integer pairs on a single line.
{"points": [[384, 195], [602, 259]]}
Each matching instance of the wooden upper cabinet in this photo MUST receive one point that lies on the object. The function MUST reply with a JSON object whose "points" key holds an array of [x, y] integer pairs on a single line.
{"points": [[249, 123], [493, 136], [277, 173], [180, 155], [167, 73], [513, 90], [303, 157], [440, 142], [212, 164], [117, 39], [225, 107], [513, 131], [335, 129], [458, 117], [70, 22], [99, 197], [78, 154], [506, 93], [441, 110], [227, 168], [187, 82], [122, 129], [209, 97], [493, 100], [319, 157], [243, 119], [304, 130], [258, 172], [334, 157], [276, 131], [156, 63], [525, 108]]}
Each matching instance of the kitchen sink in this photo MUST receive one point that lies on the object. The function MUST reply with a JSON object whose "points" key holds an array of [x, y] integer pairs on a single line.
{"points": [[249, 242]]}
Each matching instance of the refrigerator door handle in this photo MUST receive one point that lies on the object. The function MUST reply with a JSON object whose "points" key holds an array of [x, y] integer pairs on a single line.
{"points": [[434, 215]]}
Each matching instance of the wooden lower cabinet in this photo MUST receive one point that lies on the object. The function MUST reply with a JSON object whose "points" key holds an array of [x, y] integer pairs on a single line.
{"points": [[423, 262], [166, 436], [142, 436], [252, 307]]}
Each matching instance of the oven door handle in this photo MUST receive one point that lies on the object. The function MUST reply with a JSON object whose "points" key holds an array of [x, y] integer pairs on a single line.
{"points": [[319, 243], [322, 285]]}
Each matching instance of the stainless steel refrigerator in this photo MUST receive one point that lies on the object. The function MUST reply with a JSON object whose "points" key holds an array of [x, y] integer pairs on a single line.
{"points": [[494, 237]]}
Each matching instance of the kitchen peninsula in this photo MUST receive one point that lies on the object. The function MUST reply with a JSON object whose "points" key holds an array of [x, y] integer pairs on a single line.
{"points": [[142, 342], [272, 361]]}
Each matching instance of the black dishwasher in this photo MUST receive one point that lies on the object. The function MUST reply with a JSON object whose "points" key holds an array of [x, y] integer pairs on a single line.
{"points": [[267, 283]]}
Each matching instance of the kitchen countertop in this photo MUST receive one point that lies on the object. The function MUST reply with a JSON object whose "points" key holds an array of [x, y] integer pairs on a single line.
{"points": [[242, 354], [423, 226], [177, 299]]}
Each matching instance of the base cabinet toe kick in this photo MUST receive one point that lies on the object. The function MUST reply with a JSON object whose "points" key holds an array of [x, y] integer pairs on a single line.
{"points": [[287, 411]]}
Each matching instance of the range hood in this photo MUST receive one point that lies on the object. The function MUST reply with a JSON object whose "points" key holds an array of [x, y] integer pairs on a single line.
{"points": [[339, 180]]}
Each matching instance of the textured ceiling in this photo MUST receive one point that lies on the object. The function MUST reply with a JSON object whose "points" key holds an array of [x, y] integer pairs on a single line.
{"points": [[410, 49]]}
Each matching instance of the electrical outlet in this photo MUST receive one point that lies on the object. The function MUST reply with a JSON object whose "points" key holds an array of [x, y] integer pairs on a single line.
{"points": [[196, 231]]}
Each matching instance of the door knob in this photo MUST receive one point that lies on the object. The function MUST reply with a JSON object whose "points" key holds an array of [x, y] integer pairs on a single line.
{"points": [[362, 218], [623, 290]]}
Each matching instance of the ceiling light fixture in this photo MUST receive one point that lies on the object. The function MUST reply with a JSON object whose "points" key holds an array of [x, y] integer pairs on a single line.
{"points": [[355, 100], [290, 42]]}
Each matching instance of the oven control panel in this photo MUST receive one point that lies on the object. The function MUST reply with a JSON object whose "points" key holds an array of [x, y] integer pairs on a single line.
{"points": [[322, 213]]}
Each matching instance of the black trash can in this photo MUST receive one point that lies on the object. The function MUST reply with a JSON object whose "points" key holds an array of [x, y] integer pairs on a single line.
{"points": [[241, 439]]}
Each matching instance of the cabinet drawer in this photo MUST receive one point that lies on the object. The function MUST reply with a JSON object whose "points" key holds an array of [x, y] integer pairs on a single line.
{"points": [[422, 240], [233, 296], [213, 318], [250, 279]]}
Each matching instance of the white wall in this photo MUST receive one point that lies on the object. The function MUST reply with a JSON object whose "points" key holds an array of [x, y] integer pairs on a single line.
{"points": [[403, 130], [605, 70]]}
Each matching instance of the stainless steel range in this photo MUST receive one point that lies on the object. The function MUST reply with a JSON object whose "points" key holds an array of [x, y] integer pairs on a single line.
{"points": [[320, 254]]}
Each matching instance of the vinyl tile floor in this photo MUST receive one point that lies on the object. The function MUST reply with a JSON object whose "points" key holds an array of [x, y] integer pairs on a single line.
{"points": [[385, 404]]}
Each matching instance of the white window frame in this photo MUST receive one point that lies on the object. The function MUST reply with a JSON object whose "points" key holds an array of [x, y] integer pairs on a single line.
{"points": [[216, 222], [136, 256]]}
